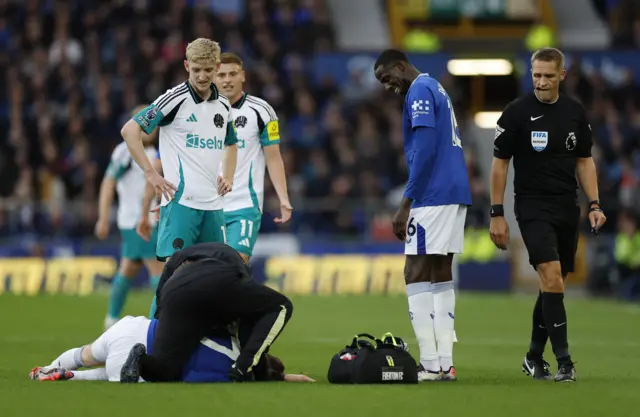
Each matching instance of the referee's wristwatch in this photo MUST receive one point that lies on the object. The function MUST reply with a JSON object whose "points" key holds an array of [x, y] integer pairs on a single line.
{"points": [[497, 210]]}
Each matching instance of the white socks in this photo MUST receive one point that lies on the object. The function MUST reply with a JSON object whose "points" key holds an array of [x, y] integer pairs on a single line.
{"points": [[432, 310], [421, 303], [444, 305], [96, 374], [69, 360]]}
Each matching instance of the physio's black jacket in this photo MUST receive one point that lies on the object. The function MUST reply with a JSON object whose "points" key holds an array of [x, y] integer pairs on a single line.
{"points": [[222, 254], [545, 140]]}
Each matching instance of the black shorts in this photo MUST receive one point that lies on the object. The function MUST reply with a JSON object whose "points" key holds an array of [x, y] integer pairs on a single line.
{"points": [[549, 231]]}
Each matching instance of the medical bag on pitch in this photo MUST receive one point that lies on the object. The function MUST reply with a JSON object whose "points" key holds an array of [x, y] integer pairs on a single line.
{"points": [[368, 360]]}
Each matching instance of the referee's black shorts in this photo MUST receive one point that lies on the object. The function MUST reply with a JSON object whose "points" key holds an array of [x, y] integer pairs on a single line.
{"points": [[549, 229], [199, 297]]}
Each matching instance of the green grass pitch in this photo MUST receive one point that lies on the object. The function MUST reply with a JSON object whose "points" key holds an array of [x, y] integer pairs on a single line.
{"points": [[493, 333]]}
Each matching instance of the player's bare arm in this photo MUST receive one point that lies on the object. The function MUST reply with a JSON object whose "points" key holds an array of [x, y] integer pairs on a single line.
{"points": [[132, 134], [229, 159], [105, 200], [229, 163], [297, 378], [143, 227], [586, 171], [499, 228], [508, 131], [401, 218], [275, 166]]}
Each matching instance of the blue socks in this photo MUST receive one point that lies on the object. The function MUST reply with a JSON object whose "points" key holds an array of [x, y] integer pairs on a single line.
{"points": [[119, 291]]}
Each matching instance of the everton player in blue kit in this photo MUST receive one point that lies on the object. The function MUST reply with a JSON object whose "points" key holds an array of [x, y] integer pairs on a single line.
{"points": [[203, 289], [210, 362], [432, 214]]}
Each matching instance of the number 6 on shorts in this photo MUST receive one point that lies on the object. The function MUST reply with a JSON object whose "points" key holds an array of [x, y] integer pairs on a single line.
{"points": [[411, 228], [435, 230]]}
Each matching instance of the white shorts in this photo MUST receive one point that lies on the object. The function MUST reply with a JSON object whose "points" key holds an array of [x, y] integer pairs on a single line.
{"points": [[436, 230], [114, 345]]}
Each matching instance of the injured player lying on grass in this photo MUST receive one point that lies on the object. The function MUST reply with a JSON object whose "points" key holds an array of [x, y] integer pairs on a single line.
{"points": [[106, 356]]}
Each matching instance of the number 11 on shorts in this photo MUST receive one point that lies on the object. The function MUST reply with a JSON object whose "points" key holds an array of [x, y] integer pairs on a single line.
{"points": [[243, 227]]}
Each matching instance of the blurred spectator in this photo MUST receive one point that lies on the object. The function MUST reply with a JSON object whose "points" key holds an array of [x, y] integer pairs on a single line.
{"points": [[623, 18], [77, 68], [612, 100], [627, 255], [80, 67]]}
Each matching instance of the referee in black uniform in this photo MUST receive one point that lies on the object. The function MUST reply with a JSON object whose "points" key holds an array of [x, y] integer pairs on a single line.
{"points": [[204, 287], [549, 138]]}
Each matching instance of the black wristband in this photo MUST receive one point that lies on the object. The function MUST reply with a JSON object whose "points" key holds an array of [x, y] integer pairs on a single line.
{"points": [[497, 210], [594, 203]]}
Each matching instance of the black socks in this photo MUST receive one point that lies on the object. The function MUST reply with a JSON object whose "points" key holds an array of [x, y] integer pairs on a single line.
{"points": [[539, 333], [555, 321]]}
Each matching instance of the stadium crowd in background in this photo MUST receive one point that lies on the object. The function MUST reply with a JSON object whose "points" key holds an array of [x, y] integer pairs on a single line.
{"points": [[73, 70], [73, 86], [623, 19]]}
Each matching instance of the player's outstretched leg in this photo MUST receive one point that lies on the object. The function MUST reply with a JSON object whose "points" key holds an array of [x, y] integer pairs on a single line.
{"points": [[555, 318], [533, 363], [50, 374], [65, 366], [71, 360], [444, 304], [61, 374], [417, 272]]}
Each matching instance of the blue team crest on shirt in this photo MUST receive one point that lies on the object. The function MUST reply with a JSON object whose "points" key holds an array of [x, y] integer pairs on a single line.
{"points": [[539, 140]]}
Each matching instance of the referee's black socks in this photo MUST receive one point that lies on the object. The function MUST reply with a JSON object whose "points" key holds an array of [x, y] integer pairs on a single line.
{"points": [[555, 319], [539, 334]]}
